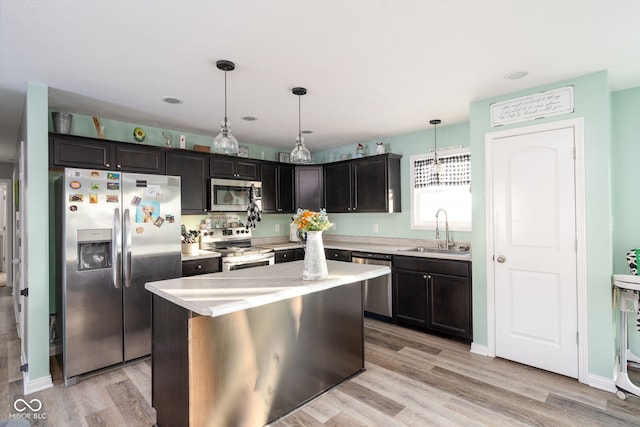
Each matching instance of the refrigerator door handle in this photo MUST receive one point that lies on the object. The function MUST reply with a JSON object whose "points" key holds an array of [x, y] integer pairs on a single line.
{"points": [[127, 249], [116, 249]]}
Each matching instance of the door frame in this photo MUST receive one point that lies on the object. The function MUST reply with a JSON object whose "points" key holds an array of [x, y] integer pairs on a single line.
{"points": [[581, 248]]}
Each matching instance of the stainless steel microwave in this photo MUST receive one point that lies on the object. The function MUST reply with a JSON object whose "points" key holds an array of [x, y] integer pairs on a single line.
{"points": [[233, 195]]}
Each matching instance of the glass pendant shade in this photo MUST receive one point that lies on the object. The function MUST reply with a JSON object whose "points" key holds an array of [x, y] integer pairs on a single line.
{"points": [[436, 167], [300, 153], [225, 142]]}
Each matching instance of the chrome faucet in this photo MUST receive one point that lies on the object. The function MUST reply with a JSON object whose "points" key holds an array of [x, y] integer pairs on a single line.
{"points": [[448, 243]]}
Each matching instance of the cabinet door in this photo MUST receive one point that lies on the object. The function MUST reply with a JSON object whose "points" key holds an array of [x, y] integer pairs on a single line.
{"points": [[80, 153], [222, 167], [231, 167], [338, 254], [143, 159], [337, 187], [200, 266], [247, 169], [410, 297], [193, 168], [286, 189], [309, 187], [370, 185], [286, 255], [450, 305], [277, 188], [269, 188]]}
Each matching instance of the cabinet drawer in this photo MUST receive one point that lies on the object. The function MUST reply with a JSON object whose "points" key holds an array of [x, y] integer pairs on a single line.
{"points": [[432, 265], [200, 266], [338, 254], [286, 255]]}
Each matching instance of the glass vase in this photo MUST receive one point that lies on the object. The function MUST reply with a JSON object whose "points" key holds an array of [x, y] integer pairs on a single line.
{"points": [[315, 263]]}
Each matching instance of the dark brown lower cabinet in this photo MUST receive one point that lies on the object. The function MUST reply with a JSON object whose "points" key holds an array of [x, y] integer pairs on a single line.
{"points": [[288, 255], [201, 266], [434, 295], [338, 254], [410, 297]]}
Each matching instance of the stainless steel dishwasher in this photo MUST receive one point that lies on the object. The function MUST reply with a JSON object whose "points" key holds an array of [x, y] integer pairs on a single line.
{"points": [[377, 291]]}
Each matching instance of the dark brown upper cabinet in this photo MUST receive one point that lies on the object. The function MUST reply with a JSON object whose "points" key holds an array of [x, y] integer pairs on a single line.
{"points": [[368, 184], [222, 166], [92, 153], [193, 169], [278, 187], [309, 187]]}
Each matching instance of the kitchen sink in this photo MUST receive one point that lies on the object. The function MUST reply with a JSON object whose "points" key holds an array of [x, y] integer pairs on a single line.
{"points": [[462, 250]]}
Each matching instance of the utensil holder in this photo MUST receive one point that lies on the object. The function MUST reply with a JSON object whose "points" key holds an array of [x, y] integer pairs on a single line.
{"points": [[190, 248]]}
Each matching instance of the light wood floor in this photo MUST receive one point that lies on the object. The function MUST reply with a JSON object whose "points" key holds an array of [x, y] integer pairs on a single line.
{"points": [[412, 379]]}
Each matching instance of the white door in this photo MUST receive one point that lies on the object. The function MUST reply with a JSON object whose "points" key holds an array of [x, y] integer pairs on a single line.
{"points": [[535, 262]]}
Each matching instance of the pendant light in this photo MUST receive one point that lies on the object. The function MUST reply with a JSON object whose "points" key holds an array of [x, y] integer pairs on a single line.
{"points": [[436, 166], [225, 142], [300, 153]]}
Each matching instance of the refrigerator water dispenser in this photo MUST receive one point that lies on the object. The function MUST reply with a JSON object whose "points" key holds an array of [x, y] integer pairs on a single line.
{"points": [[94, 249]]}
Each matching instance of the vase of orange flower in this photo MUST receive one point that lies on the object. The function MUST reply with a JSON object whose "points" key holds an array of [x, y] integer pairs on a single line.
{"points": [[310, 227]]}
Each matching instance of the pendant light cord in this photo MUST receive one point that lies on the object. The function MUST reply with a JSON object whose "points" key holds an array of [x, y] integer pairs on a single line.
{"points": [[299, 121], [225, 97], [435, 139]]}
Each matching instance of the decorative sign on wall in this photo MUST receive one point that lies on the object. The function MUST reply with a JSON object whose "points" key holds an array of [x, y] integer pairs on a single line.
{"points": [[530, 107]]}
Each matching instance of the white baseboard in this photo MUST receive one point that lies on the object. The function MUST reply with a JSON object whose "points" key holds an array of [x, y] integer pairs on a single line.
{"points": [[482, 350], [602, 383], [32, 386]]}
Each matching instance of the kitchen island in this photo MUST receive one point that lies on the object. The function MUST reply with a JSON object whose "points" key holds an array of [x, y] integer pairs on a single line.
{"points": [[246, 347]]}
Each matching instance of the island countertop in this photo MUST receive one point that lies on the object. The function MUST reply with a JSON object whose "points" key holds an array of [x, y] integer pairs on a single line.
{"points": [[217, 294]]}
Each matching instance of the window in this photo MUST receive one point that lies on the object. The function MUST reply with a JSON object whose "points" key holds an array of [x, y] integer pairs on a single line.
{"points": [[449, 190]]}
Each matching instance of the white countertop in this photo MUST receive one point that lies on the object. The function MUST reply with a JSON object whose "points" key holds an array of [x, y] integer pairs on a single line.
{"points": [[375, 248], [627, 281], [202, 254], [216, 294]]}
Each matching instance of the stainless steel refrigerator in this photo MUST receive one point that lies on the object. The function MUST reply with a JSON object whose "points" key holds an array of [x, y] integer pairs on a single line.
{"points": [[116, 231]]}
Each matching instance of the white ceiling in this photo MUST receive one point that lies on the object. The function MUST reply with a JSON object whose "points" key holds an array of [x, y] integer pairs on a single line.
{"points": [[373, 68]]}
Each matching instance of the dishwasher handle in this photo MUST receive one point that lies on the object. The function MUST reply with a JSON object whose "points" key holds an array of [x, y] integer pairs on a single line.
{"points": [[369, 255]]}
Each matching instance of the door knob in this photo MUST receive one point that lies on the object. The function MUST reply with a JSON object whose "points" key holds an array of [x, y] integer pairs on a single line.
{"points": [[501, 259]]}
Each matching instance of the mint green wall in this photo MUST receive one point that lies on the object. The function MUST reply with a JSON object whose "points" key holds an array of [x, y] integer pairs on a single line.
{"points": [[389, 225], [398, 224], [36, 203], [625, 157], [82, 125], [592, 101]]}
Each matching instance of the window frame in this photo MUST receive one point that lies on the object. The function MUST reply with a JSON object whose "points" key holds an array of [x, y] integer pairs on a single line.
{"points": [[431, 225]]}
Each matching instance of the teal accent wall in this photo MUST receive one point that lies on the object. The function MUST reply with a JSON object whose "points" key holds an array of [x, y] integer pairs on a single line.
{"points": [[36, 204], [592, 101], [82, 125], [389, 225], [407, 145], [625, 156]]}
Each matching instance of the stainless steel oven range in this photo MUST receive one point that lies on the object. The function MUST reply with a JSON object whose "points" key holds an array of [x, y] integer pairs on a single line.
{"points": [[235, 246]]}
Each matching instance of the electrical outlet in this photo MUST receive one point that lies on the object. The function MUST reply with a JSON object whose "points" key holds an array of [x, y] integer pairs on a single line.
{"points": [[277, 228], [375, 228]]}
